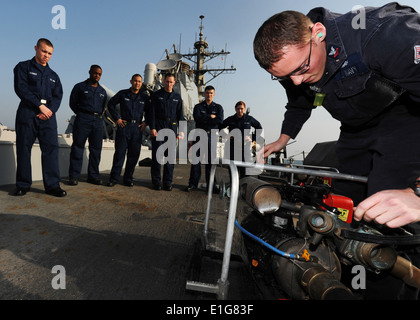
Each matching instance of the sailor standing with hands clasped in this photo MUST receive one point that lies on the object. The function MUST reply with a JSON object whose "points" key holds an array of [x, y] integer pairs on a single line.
{"points": [[133, 105], [40, 91], [87, 100], [208, 115], [165, 113]]}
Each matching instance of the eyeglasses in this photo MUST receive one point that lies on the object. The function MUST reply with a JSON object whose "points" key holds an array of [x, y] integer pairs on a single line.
{"points": [[299, 71]]}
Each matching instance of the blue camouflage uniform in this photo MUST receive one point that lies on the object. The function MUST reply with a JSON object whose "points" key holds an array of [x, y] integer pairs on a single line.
{"points": [[202, 117], [165, 112], [88, 103], [372, 86], [128, 138], [33, 83]]}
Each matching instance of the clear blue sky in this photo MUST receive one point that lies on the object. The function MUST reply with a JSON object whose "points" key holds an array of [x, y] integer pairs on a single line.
{"points": [[123, 36]]}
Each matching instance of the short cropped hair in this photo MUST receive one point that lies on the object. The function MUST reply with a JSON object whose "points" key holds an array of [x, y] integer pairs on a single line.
{"points": [[169, 75], [209, 88], [94, 66], [282, 29], [136, 75], [46, 41]]}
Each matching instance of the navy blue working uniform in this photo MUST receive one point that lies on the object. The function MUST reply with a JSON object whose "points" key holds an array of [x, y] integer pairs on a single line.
{"points": [[244, 124], [165, 113], [372, 86], [34, 83], [88, 103], [128, 138], [203, 120]]}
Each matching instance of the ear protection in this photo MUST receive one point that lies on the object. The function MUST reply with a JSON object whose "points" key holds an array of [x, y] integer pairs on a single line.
{"points": [[320, 35]]}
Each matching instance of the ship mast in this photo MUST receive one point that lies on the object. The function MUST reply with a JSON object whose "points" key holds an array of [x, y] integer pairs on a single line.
{"points": [[200, 57]]}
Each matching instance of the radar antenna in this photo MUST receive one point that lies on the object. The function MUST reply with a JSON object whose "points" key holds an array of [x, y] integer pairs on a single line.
{"points": [[202, 56]]}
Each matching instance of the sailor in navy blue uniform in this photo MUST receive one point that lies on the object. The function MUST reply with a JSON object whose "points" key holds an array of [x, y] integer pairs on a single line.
{"points": [[40, 91], [364, 68], [244, 123], [208, 115], [88, 101], [132, 107], [165, 113]]}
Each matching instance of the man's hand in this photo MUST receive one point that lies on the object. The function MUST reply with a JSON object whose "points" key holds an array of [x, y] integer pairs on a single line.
{"points": [[42, 116], [153, 133], [394, 208], [272, 147], [121, 123], [142, 126], [44, 111]]}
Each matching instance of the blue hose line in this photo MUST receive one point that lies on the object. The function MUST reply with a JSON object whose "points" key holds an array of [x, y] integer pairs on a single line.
{"points": [[269, 246]]}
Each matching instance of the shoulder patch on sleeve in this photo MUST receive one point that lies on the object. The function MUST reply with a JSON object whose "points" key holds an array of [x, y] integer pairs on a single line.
{"points": [[417, 54]]}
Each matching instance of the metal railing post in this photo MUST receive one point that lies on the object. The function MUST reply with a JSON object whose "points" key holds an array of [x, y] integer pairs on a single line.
{"points": [[209, 197], [222, 286]]}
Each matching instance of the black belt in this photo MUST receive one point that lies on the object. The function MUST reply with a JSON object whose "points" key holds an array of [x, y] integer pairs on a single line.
{"points": [[166, 119], [91, 113]]}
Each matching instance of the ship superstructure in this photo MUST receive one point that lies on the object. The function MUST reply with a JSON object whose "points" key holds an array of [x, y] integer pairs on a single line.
{"points": [[190, 80]]}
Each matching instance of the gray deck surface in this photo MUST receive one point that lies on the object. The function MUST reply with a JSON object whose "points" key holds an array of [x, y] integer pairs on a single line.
{"points": [[114, 243]]}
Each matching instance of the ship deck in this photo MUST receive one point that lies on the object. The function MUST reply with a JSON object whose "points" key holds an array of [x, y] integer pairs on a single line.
{"points": [[113, 243]]}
